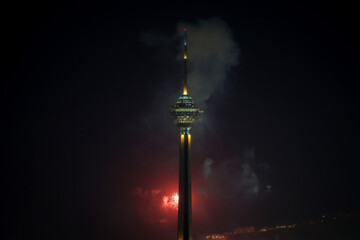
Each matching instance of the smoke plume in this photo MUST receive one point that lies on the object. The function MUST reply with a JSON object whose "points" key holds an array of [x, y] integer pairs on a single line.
{"points": [[212, 51], [206, 171]]}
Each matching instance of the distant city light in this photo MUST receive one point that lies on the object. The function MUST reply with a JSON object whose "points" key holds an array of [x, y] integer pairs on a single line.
{"points": [[240, 232]]}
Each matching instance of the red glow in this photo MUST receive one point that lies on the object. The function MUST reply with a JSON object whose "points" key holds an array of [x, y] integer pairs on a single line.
{"points": [[171, 202]]}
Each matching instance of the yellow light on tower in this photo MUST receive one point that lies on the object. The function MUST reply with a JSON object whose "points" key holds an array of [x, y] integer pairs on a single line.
{"points": [[185, 56], [185, 91]]}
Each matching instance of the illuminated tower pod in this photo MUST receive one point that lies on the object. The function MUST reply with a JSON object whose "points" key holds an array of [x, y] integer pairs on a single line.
{"points": [[185, 114]]}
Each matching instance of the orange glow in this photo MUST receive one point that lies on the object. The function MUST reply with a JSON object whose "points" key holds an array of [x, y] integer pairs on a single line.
{"points": [[185, 91], [171, 202]]}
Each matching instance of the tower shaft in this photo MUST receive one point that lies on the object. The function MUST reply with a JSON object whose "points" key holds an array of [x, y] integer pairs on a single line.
{"points": [[185, 211]]}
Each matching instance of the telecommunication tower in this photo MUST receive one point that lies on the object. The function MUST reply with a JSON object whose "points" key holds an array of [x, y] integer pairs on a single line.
{"points": [[185, 114]]}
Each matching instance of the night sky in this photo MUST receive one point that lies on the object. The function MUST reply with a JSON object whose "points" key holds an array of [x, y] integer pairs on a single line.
{"points": [[89, 149]]}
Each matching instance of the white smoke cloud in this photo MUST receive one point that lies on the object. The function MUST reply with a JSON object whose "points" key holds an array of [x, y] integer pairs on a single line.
{"points": [[212, 51], [206, 171], [236, 177], [249, 179]]}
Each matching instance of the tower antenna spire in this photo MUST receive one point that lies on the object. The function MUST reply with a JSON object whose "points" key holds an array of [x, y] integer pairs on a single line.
{"points": [[185, 65]]}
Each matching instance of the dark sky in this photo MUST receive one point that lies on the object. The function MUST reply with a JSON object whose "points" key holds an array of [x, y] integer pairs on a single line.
{"points": [[88, 148]]}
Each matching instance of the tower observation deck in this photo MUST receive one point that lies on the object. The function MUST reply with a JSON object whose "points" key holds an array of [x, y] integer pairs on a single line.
{"points": [[185, 114]]}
